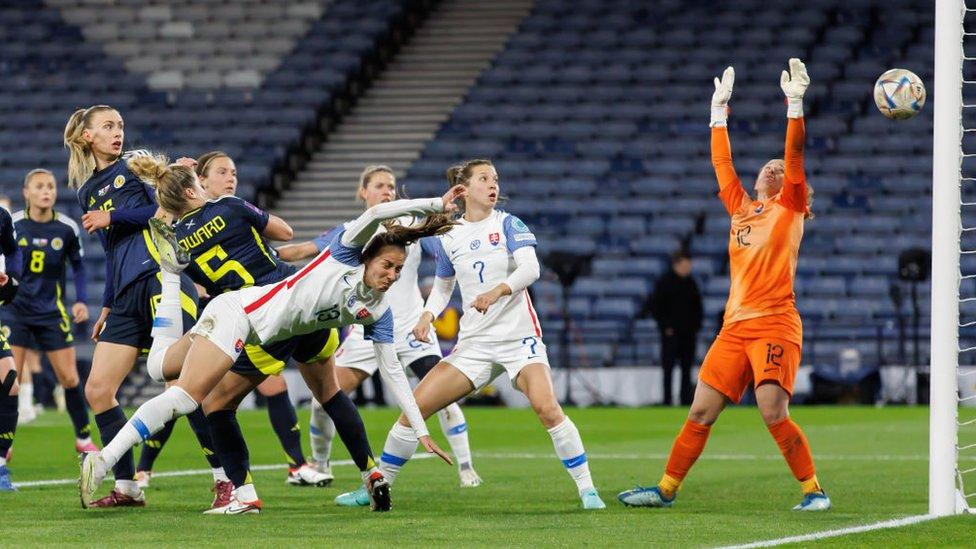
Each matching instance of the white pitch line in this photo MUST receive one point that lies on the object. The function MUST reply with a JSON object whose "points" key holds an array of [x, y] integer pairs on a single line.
{"points": [[529, 455], [883, 525], [184, 473], [721, 457]]}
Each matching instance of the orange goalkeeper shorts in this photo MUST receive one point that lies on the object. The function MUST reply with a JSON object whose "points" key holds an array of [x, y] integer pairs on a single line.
{"points": [[752, 351]]}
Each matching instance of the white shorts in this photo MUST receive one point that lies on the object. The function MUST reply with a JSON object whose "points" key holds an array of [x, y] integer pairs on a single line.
{"points": [[356, 352], [483, 361], [224, 323]]}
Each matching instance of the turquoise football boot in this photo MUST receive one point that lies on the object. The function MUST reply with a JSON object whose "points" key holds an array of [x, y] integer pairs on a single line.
{"points": [[591, 499], [645, 497], [356, 498]]}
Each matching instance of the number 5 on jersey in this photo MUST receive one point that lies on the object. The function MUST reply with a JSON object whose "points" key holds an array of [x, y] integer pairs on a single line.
{"points": [[229, 266]]}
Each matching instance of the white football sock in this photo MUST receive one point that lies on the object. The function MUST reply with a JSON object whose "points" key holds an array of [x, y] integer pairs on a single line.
{"points": [[219, 474], [148, 419], [167, 325], [400, 445], [127, 487], [456, 430], [321, 431], [246, 493], [569, 448], [25, 398]]}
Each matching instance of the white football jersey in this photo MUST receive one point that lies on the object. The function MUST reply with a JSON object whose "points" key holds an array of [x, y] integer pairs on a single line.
{"points": [[479, 255], [404, 296], [329, 292]]}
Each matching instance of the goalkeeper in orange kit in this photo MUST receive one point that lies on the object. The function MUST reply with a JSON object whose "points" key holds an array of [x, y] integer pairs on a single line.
{"points": [[762, 335]]}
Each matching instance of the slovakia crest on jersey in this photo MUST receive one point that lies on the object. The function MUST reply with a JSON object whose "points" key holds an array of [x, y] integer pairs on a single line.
{"points": [[494, 238], [362, 313]]}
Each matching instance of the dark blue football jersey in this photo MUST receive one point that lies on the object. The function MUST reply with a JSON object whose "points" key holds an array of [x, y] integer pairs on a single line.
{"points": [[8, 244], [46, 248], [226, 247], [128, 247]]}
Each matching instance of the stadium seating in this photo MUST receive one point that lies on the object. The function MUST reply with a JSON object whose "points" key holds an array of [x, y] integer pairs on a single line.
{"points": [[175, 97]]}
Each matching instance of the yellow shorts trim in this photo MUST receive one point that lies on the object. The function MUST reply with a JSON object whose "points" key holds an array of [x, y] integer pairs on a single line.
{"points": [[264, 362]]}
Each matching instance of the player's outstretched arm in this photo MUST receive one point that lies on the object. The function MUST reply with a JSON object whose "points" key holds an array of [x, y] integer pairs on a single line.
{"points": [[396, 380], [794, 84], [359, 231], [730, 189], [296, 252]]}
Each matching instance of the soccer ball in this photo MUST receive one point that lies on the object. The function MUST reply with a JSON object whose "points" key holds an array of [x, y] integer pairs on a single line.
{"points": [[899, 94]]}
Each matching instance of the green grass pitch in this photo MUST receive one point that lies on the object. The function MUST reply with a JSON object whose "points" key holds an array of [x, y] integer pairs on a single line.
{"points": [[873, 463]]}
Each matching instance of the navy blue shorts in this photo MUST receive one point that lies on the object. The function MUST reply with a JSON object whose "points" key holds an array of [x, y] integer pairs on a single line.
{"points": [[270, 360], [131, 318], [46, 333]]}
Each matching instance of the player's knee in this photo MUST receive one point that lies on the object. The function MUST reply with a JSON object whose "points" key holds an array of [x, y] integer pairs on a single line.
{"points": [[209, 406], [703, 415], [550, 413], [69, 380], [773, 413], [98, 394]]}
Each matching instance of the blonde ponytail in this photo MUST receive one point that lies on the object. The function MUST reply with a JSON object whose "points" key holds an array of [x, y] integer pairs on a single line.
{"points": [[170, 180], [149, 167], [81, 160]]}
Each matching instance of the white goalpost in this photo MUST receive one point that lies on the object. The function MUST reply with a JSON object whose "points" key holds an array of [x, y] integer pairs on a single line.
{"points": [[946, 492]]}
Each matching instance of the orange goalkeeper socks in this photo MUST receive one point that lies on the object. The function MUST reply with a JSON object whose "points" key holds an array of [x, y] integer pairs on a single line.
{"points": [[795, 448], [685, 451]]}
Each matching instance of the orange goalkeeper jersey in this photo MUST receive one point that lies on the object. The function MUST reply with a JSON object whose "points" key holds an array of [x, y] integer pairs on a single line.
{"points": [[764, 239]]}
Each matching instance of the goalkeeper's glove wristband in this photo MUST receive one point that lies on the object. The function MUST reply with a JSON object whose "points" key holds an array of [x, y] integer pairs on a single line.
{"points": [[794, 107], [720, 116]]}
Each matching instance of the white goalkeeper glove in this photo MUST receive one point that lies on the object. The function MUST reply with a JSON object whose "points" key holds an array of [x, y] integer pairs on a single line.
{"points": [[720, 99], [794, 84]]}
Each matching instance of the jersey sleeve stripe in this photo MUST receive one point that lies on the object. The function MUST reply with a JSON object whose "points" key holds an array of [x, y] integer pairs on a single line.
{"points": [[288, 282], [535, 318], [260, 242], [69, 222]]}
